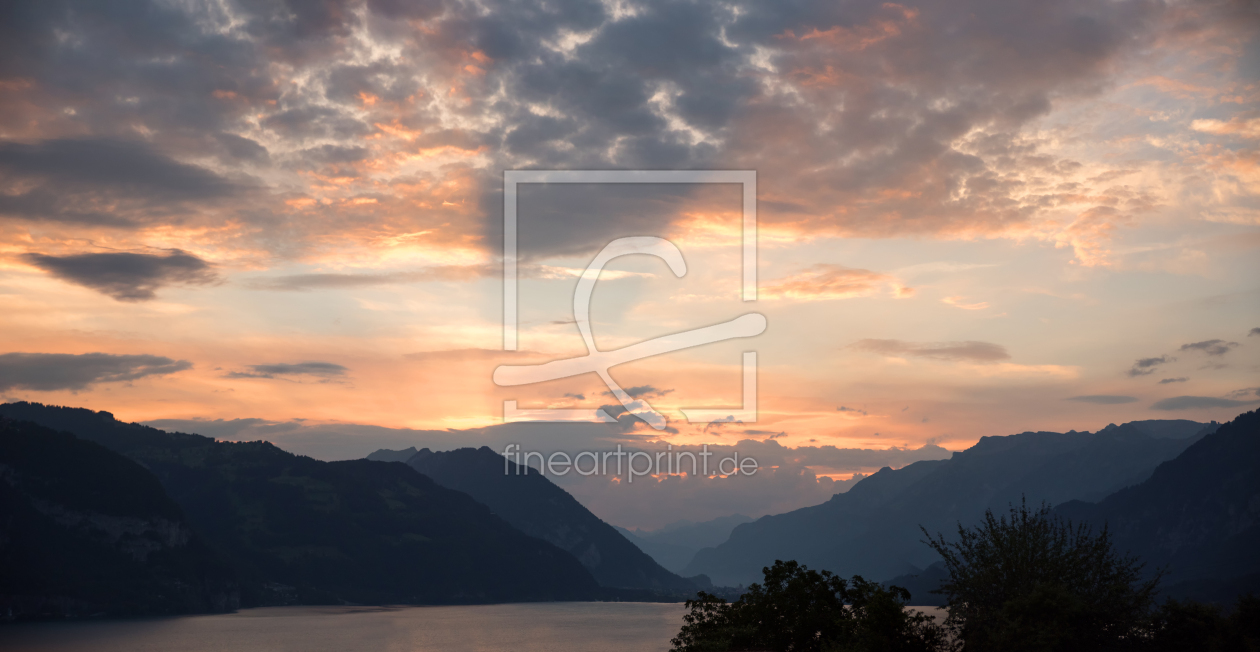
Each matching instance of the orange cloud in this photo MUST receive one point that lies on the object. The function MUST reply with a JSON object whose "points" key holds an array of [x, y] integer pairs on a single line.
{"points": [[824, 282], [1246, 128], [958, 302]]}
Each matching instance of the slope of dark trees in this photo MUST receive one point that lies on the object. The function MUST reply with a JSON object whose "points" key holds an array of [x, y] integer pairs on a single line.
{"points": [[298, 530], [539, 508], [84, 531]]}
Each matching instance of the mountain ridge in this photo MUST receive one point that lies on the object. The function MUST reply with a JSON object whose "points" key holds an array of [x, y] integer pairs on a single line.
{"points": [[298, 530], [86, 531], [538, 507], [872, 529]]}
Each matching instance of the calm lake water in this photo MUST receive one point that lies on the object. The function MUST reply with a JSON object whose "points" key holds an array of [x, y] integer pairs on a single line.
{"points": [[550, 627]]}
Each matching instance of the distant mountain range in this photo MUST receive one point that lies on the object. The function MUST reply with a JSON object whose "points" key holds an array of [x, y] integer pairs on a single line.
{"points": [[873, 529], [674, 545], [101, 516], [1198, 515], [536, 506], [297, 530]]}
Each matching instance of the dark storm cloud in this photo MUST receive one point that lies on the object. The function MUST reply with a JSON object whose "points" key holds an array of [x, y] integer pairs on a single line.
{"points": [[1210, 347], [969, 351], [318, 369], [66, 180], [117, 164], [310, 122], [1146, 366], [1103, 399], [1197, 403], [920, 76], [837, 104], [54, 371], [127, 276]]}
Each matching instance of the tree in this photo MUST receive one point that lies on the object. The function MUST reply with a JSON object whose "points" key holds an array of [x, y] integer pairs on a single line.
{"points": [[1187, 625], [1036, 582], [799, 610]]}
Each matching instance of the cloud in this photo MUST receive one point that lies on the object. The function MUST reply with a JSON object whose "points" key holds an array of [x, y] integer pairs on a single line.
{"points": [[642, 391], [1210, 347], [337, 281], [1254, 331], [1166, 381], [59, 371], [469, 355], [1246, 392], [437, 273], [863, 117], [959, 302], [969, 351], [320, 369], [226, 428], [1249, 128], [102, 181], [823, 282], [1197, 403], [1146, 366], [849, 409], [127, 276], [1103, 399]]}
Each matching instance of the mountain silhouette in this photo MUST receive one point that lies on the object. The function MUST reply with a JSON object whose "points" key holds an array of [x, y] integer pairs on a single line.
{"points": [[673, 545], [873, 529], [1198, 515], [298, 530], [536, 506], [87, 531]]}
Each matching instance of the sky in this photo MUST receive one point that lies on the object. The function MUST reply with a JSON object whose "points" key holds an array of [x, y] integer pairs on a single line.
{"points": [[284, 220]]}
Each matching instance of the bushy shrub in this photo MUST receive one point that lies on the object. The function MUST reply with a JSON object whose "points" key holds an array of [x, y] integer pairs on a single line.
{"points": [[800, 610], [1035, 582]]}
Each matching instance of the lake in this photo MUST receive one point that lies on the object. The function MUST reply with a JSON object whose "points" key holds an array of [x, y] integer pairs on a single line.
{"points": [[537, 627], [550, 627]]}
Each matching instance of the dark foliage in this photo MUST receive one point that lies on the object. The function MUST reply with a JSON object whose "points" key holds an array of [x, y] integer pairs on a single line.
{"points": [[84, 531], [1183, 625], [537, 507], [799, 610], [1036, 582], [298, 530]]}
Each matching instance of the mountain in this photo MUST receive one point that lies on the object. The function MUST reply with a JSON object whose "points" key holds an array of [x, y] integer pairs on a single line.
{"points": [[298, 530], [536, 506], [1168, 428], [87, 531], [385, 455], [873, 529], [674, 545], [1198, 514]]}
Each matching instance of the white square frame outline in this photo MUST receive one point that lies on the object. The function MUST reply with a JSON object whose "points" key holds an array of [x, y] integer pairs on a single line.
{"points": [[747, 179]]}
